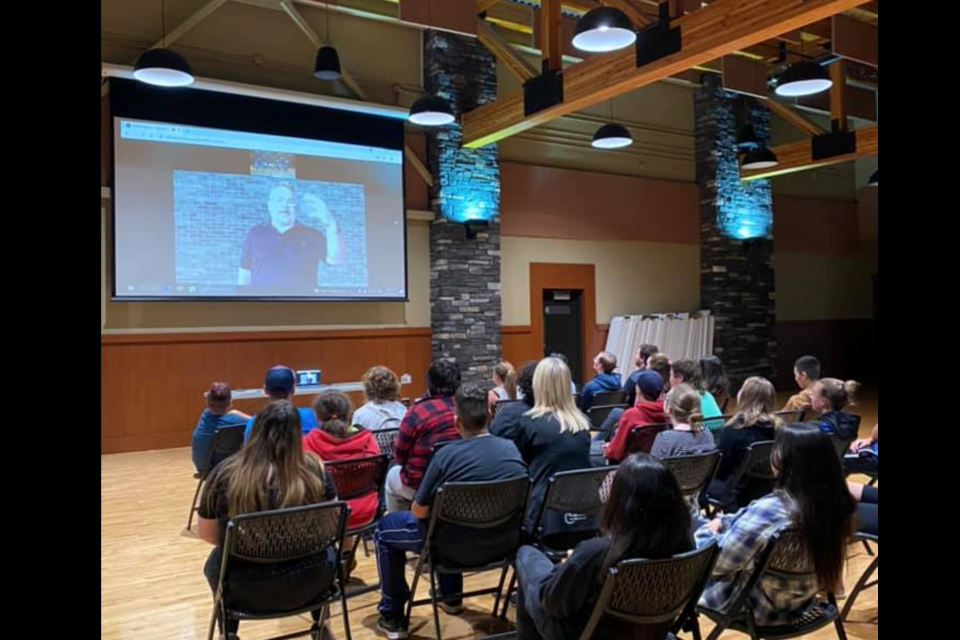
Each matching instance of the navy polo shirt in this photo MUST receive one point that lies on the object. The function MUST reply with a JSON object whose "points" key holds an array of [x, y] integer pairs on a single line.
{"points": [[284, 261]]}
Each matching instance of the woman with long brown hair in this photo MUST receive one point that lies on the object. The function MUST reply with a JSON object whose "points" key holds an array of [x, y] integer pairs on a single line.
{"points": [[272, 472], [812, 496]]}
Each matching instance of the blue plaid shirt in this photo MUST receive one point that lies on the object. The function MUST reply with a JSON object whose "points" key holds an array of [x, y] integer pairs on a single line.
{"points": [[775, 601]]}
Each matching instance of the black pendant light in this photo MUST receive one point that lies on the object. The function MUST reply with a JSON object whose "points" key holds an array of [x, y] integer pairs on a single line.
{"points": [[803, 79], [875, 179], [162, 67], [328, 64], [328, 67], [760, 160], [612, 135], [604, 29], [432, 111]]}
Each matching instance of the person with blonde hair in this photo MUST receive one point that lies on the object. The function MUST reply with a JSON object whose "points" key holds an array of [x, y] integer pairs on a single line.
{"points": [[829, 399], [755, 422], [505, 385], [553, 436]]}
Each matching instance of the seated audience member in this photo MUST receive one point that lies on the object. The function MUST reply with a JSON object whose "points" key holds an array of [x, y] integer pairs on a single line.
{"points": [[868, 508], [864, 456], [604, 365], [509, 415], [644, 354], [335, 440], [383, 408], [648, 411], [644, 518], [554, 436], [272, 472], [688, 372], [715, 380], [660, 363], [478, 457], [806, 372], [812, 496], [281, 384], [566, 361], [830, 398], [687, 437], [219, 414], [504, 384], [429, 422], [755, 422]]}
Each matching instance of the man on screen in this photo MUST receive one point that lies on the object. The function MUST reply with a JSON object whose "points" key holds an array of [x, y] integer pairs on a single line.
{"points": [[283, 255]]}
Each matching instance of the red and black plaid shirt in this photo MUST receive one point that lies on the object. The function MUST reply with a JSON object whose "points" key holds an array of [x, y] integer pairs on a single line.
{"points": [[428, 423]]}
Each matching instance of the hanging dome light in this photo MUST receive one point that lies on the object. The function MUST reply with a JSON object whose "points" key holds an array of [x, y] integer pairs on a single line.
{"points": [[604, 29], [328, 64], [612, 136], [431, 111], [759, 160], [803, 79], [164, 68]]}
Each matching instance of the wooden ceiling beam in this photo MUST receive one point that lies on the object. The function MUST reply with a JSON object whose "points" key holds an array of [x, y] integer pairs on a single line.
{"points": [[723, 27], [798, 156], [505, 52]]}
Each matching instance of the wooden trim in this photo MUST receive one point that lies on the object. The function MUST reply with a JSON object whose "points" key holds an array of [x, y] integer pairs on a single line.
{"points": [[578, 277], [722, 28], [151, 387], [259, 336], [516, 330]]}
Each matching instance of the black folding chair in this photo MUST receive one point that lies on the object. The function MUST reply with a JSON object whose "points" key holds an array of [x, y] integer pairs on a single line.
{"points": [[598, 414], [654, 593], [785, 557], [792, 417], [572, 509], [226, 442], [641, 438], [694, 473], [865, 580], [478, 508], [608, 398], [387, 441], [277, 537], [756, 467], [356, 479]]}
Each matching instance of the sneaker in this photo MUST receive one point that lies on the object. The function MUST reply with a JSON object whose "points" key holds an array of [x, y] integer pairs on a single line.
{"points": [[450, 607], [392, 629], [454, 608]]}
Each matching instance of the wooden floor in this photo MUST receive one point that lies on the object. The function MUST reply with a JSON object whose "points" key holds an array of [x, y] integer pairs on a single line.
{"points": [[152, 586]]}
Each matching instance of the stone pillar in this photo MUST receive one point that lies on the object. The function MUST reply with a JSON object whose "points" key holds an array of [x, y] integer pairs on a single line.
{"points": [[736, 235], [466, 313]]}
